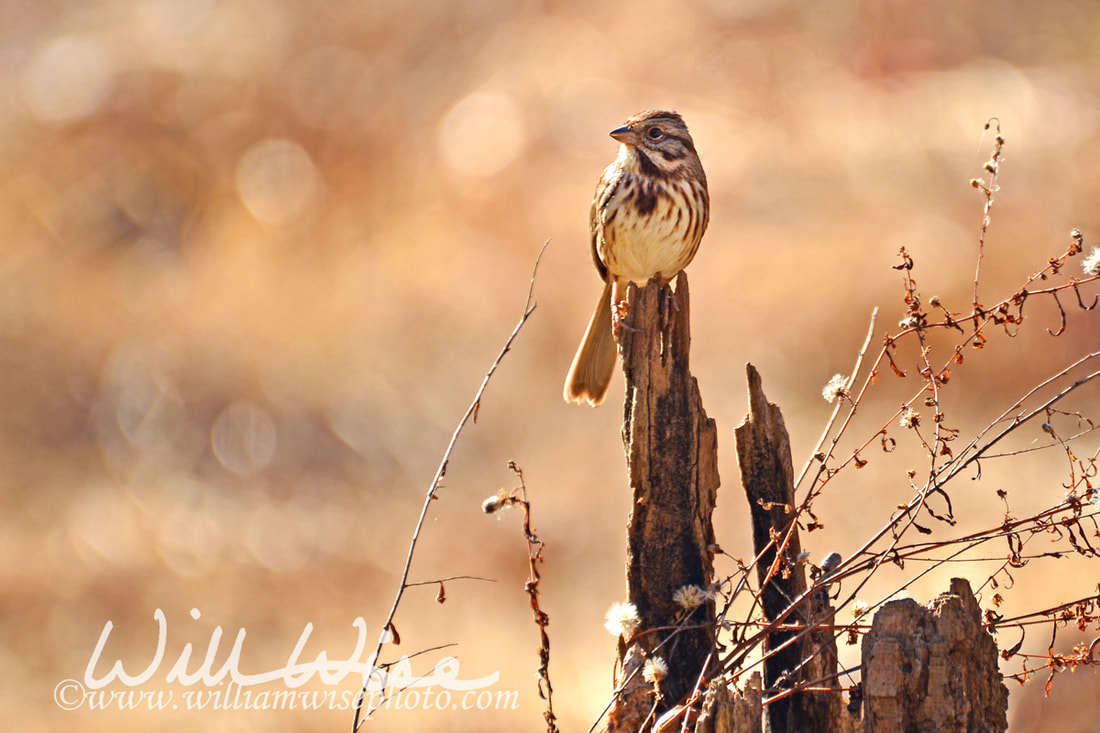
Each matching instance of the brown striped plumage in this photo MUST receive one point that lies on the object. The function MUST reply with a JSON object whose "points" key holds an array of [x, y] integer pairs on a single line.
{"points": [[648, 216]]}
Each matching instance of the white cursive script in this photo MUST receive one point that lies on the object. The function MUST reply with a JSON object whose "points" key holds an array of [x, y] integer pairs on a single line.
{"points": [[293, 674]]}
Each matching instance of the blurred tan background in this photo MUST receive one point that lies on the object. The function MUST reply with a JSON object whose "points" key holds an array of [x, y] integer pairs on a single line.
{"points": [[255, 257]]}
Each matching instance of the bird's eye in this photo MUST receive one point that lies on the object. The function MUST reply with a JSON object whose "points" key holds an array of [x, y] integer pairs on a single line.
{"points": [[655, 133]]}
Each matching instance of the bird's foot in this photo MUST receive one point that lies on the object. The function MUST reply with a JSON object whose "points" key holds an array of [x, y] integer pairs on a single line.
{"points": [[619, 311]]}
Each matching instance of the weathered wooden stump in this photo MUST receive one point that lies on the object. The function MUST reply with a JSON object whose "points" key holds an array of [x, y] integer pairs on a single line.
{"points": [[932, 669], [767, 474], [671, 451]]}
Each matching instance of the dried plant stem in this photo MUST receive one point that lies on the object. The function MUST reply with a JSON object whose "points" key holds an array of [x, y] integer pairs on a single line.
{"points": [[535, 547], [1019, 419], [471, 413], [836, 411], [991, 167]]}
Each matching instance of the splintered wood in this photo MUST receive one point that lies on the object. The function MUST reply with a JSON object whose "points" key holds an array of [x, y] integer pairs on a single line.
{"points": [[767, 475]]}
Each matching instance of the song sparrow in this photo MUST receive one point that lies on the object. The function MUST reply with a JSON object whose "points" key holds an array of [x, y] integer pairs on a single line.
{"points": [[649, 213]]}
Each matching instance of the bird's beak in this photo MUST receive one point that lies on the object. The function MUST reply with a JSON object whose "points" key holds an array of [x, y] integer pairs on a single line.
{"points": [[624, 135]]}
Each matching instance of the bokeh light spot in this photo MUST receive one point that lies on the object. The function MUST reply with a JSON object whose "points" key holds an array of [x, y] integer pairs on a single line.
{"points": [[243, 438], [277, 180], [68, 79], [481, 135]]}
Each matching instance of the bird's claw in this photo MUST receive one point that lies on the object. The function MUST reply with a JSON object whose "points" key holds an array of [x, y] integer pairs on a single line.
{"points": [[618, 318]]}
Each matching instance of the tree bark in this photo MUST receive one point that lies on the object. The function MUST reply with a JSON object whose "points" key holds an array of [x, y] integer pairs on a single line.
{"points": [[767, 474], [932, 669], [726, 710], [671, 451]]}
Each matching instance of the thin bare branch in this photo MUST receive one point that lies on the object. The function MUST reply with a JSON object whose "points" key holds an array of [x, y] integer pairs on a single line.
{"points": [[433, 487], [836, 411]]}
